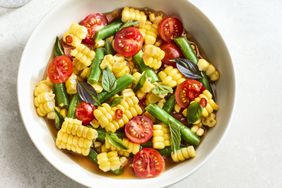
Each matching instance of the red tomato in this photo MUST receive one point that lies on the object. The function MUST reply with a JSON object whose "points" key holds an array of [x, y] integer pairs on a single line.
{"points": [[128, 41], [118, 114], [188, 91], [60, 69], [203, 102], [171, 52], [93, 22], [84, 112], [139, 129], [148, 163], [169, 28]]}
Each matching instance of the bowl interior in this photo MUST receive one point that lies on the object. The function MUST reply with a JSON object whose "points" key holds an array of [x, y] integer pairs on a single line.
{"points": [[37, 54]]}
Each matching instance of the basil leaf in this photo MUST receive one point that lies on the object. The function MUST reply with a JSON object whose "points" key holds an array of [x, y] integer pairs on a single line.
{"points": [[194, 112], [161, 90], [187, 68], [58, 119], [87, 93], [93, 155], [116, 101], [129, 24], [58, 49], [175, 137], [109, 81], [114, 140]]}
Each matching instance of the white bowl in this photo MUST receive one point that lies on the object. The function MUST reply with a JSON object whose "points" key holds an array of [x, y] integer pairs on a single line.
{"points": [[38, 51]]}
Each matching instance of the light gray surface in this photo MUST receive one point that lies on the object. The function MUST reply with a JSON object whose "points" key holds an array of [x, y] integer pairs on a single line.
{"points": [[249, 156]]}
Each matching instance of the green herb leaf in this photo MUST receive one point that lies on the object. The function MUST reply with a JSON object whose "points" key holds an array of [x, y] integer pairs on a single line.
{"points": [[114, 140], [58, 49], [175, 137], [161, 90], [58, 119], [116, 101], [87, 93], [129, 24], [194, 112], [93, 155], [109, 81], [187, 68]]}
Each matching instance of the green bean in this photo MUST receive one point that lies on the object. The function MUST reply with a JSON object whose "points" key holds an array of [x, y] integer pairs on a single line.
{"points": [[58, 50], [118, 171], [188, 52], [122, 83], [166, 151], [95, 72], [73, 105], [93, 156], [61, 95], [138, 60], [169, 105], [167, 119], [108, 30], [109, 47]]}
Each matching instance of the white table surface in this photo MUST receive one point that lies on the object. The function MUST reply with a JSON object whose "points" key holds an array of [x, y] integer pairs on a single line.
{"points": [[251, 153]]}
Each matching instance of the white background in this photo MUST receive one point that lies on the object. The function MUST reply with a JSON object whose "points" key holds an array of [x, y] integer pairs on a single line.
{"points": [[251, 153]]}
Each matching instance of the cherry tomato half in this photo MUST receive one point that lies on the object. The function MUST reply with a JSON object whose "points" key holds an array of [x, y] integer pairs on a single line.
{"points": [[139, 129], [84, 112], [188, 91], [93, 22], [60, 69], [169, 28], [148, 163], [171, 52], [128, 41]]}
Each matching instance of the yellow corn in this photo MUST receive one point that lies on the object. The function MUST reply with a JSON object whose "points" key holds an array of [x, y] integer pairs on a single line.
{"points": [[209, 69], [75, 34], [117, 64], [108, 161], [146, 88], [209, 121], [131, 14], [73, 136], [153, 56], [71, 83], [197, 130], [131, 147], [149, 32], [161, 137], [151, 98], [211, 105], [83, 56], [183, 154], [85, 73], [171, 77]]}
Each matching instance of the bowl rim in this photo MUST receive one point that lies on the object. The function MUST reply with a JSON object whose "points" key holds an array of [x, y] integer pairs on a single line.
{"points": [[181, 177]]}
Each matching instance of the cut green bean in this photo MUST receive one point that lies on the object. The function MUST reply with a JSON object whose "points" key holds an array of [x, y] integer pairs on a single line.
{"points": [[58, 50], [72, 107], [169, 105], [167, 119], [188, 52], [138, 60], [109, 47], [122, 83], [149, 73], [108, 30], [61, 95], [95, 72]]}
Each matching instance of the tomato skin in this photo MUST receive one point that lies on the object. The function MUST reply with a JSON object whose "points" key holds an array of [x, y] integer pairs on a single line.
{"points": [[84, 112], [93, 22], [139, 129], [60, 69], [148, 163], [188, 91], [169, 28], [171, 52], [128, 41]]}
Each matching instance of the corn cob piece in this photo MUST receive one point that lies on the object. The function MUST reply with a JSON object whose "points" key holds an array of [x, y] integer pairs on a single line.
{"points": [[132, 147], [183, 154], [161, 137], [75, 137], [153, 56], [155, 18], [171, 77], [108, 161], [105, 114], [149, 32], [151, 98], [44, 99], [136, 76], [75, 34], [83, 56], [209, 121], [211, 105], [117, 64], [209, 69], [85, 73], [71, 83], [131, 14], [146, 88], [197, 129]]}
